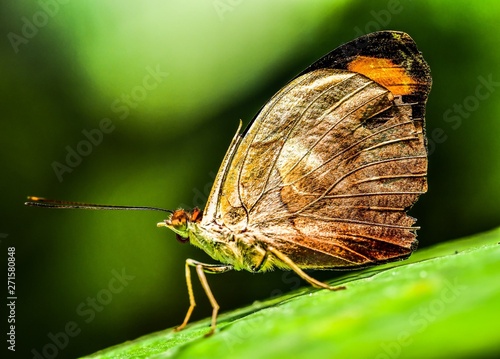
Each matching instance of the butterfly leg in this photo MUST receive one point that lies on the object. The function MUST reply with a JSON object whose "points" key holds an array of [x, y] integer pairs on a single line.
{"points": [[201, 268], [315, 283]]}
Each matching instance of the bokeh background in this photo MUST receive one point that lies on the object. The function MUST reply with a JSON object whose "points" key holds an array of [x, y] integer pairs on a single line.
{"points": [[167, 82]]}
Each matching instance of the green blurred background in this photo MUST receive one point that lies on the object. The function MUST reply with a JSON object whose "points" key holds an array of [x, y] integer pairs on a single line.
{"points": [[69, 67]]}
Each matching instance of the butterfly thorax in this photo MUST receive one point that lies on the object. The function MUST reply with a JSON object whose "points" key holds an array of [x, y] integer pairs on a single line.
{"points": [[240, 249]]}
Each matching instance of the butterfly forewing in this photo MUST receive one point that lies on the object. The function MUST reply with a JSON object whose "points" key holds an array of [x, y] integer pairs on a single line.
{"points": [[330, 165]]}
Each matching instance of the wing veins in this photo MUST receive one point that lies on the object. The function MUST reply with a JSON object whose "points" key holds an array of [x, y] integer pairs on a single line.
{"points": [[315, 249], [353, 171], [351, 195], [260, 124], [292, 127], [345, 150], [332, 128], [370, 194], [412, 175], [388, 142], [344, 220]]}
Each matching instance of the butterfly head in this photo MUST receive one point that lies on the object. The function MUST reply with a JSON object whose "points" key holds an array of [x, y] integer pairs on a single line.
{"points": [[179, 222]]}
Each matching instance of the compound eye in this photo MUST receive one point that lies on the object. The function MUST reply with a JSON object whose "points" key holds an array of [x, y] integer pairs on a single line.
{"points": [[179, 220]]}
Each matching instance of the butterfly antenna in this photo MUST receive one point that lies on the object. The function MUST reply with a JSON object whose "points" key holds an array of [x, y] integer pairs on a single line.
{"points": [[51, 203]]}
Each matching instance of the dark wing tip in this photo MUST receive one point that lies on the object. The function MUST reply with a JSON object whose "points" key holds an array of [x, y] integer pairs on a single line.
{"points": [[394, 47]]}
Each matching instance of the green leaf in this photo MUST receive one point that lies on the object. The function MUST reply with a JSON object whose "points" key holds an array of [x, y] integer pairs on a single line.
{"points": [[442, 302]]}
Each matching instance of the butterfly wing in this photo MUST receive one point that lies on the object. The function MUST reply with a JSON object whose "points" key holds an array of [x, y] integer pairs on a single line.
{"points": [[330, 165]]}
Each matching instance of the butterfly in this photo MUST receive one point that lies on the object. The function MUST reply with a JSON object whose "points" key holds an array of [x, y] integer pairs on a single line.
{"points": [[324, 174]]}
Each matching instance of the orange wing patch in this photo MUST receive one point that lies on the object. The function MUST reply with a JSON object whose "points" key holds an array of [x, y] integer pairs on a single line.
{"points": [[386, 73]]}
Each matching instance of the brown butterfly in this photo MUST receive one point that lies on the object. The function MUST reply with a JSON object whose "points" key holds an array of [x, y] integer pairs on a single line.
{"points": [[324, 174]]}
